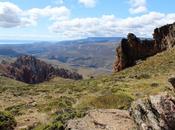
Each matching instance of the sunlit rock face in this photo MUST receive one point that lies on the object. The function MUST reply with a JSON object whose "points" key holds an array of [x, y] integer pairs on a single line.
{"points": [[133, 48]]}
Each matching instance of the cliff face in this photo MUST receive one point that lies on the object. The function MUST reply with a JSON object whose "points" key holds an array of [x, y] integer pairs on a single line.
{"points": [[133, 49], [165, 36], [31, 70]]}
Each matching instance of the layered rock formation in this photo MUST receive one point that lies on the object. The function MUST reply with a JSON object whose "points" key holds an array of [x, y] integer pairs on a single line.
{"points": [[154, 113], [164, 37], [133, 49], [28, 69]]}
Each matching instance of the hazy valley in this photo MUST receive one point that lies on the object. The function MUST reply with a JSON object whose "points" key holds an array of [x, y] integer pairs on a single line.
{"points": [[87, 56]]}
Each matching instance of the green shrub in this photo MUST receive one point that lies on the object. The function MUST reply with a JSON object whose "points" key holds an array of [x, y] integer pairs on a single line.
{"points": [[7, 121], [16, 109], [117, 101], [67, 114], [62, 116], [55, 126]]}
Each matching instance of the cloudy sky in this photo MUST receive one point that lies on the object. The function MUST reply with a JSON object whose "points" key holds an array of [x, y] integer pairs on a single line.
{"points": [[73, 19]]}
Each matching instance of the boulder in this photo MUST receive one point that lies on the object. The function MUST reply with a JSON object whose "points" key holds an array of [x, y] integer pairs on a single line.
{"points": [[172, 81], [103, 119], [154, 113]]}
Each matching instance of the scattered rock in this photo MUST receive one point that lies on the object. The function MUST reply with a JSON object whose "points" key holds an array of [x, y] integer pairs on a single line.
{"points": [[110, 119], [154, 113], [134, 49]]}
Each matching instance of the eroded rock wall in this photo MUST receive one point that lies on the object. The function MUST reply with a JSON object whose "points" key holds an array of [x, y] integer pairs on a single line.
{"points": [[28, 69], [133, 49]]}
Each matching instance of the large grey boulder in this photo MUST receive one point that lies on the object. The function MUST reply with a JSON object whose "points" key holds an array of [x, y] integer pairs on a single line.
{"points": [[154, 113]]}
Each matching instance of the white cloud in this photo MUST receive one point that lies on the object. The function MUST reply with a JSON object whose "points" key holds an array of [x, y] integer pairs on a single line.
{"points": [[54, 13], [9, 14], [137, 6], [66, 28], [109, 25], [88, 3], [12, 16]]}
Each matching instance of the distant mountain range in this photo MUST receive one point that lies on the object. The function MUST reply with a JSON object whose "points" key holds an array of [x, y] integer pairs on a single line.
{"points": [[92, 52], [79, 41]]}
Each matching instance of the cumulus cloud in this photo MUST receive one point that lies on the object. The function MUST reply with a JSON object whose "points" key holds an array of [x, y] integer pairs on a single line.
{"points": [[109, 25], [66, 27], [137, 6], [9, 15], [88, 3], [55, 13], [12, 16]]}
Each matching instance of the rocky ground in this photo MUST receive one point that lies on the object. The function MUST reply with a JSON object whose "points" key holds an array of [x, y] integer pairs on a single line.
{"points": [[103, 119], [153, 113]]}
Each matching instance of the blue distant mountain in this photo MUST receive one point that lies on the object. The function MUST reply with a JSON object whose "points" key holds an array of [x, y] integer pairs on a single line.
{"points": [[15, 42], [91, 40], [93, 52], [78, 41]]}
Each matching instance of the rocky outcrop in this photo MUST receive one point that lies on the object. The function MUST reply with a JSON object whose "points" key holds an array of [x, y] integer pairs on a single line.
{"points": [[28, 69], [164, 36], [109, 119], [133, 49], [172, 81], [154, 113]]}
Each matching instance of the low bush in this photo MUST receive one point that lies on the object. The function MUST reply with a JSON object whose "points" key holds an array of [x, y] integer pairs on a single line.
{"points": [[7, 121]]}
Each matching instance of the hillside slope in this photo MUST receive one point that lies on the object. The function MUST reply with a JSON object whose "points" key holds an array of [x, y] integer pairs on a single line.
{"points": [[61, 99]]}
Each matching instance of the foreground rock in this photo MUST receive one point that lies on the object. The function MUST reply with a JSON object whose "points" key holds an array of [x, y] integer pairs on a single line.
{"points": [[155, 113], [133, 49], [172, 81], [102, 120], [28, 69]]}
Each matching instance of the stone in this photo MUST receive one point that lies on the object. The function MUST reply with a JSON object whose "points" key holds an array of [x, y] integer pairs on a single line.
{"points": [[172, 81], [154, 113], [102, 119]]}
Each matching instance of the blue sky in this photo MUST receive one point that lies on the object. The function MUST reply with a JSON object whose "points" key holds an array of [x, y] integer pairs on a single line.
{"points": [[73, 19]]}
